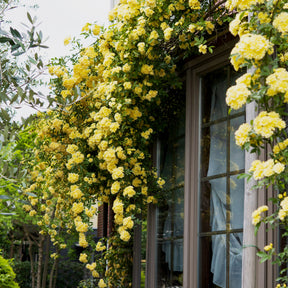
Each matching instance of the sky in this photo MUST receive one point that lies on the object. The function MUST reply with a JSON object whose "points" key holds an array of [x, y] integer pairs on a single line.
{"points": [[63, 18], [59, 19]]}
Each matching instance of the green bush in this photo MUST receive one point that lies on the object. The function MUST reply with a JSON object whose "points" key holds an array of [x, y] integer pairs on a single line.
{"points": [[88, 283], [7, 274], [69, 273], [23, 273]]}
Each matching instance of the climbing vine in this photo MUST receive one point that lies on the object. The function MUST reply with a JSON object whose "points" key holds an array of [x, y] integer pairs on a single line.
{"points": [[94, 147], [263, 30]]}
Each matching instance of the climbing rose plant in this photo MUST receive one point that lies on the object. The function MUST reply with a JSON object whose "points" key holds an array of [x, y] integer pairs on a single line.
{"points": [[262, 27], [94, 148]]}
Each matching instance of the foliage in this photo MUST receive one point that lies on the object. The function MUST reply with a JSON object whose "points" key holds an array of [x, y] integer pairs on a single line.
{"points": [[23, 273], [20, 65], [88, 283], [95, 146], [7, 274], [69, 273], [20, 61]]}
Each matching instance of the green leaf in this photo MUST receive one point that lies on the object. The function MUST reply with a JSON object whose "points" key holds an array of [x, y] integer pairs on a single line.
{"points": [[29, 18], [5, 115], [6, 39], [31, 194], [243, 175], [15, 33], [5, 197]]}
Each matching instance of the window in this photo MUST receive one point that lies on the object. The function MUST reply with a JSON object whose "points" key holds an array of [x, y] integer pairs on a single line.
{"points": [[170, 213], [221, 193], [195, 236]]}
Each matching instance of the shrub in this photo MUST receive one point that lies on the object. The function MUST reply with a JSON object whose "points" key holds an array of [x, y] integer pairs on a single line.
{"points": [[69, 273], [23, 273], [7, 274]]}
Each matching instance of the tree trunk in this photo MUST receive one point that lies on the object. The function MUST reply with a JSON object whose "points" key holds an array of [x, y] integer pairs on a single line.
{"points": [[56, 273], [40, 260], [31, 257], [52, 276], [46, 263]]}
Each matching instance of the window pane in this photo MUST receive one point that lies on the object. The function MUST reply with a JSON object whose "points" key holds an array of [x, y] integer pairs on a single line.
{"points": [[170, 263], [213, 261], [214, 149], [214, 86], [235, 265], [221, 193], [210, 252], [236, 153], [213, 205], [237, 202], [170, 215]]}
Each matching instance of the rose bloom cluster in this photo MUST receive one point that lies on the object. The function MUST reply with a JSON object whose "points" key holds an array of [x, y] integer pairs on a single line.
{"points": [[278, 83], [250, 47], [280, 146], [267, 168], [256, 215], [266, 123], [283, 212], [242, 4]]}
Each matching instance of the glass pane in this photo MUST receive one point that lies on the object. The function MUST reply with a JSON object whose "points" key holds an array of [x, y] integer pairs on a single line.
{"points": [[172, 159], [237, 159], [235, 267], [221, 202], [214, 86], [237, 202], [218, 262], [213, 205], [170, 263], [212, 261], [171, 214], [218, 204], [170, 217], [213, 149], [218, 149], [180, 161], [164, 221], [205, 149]]}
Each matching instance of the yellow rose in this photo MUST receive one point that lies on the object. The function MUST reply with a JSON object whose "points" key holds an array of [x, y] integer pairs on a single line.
{"points": [[67, 41], [115, 187], [125, 236], [83, 258], [102, 284], [117, 173], [129, 191]]}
